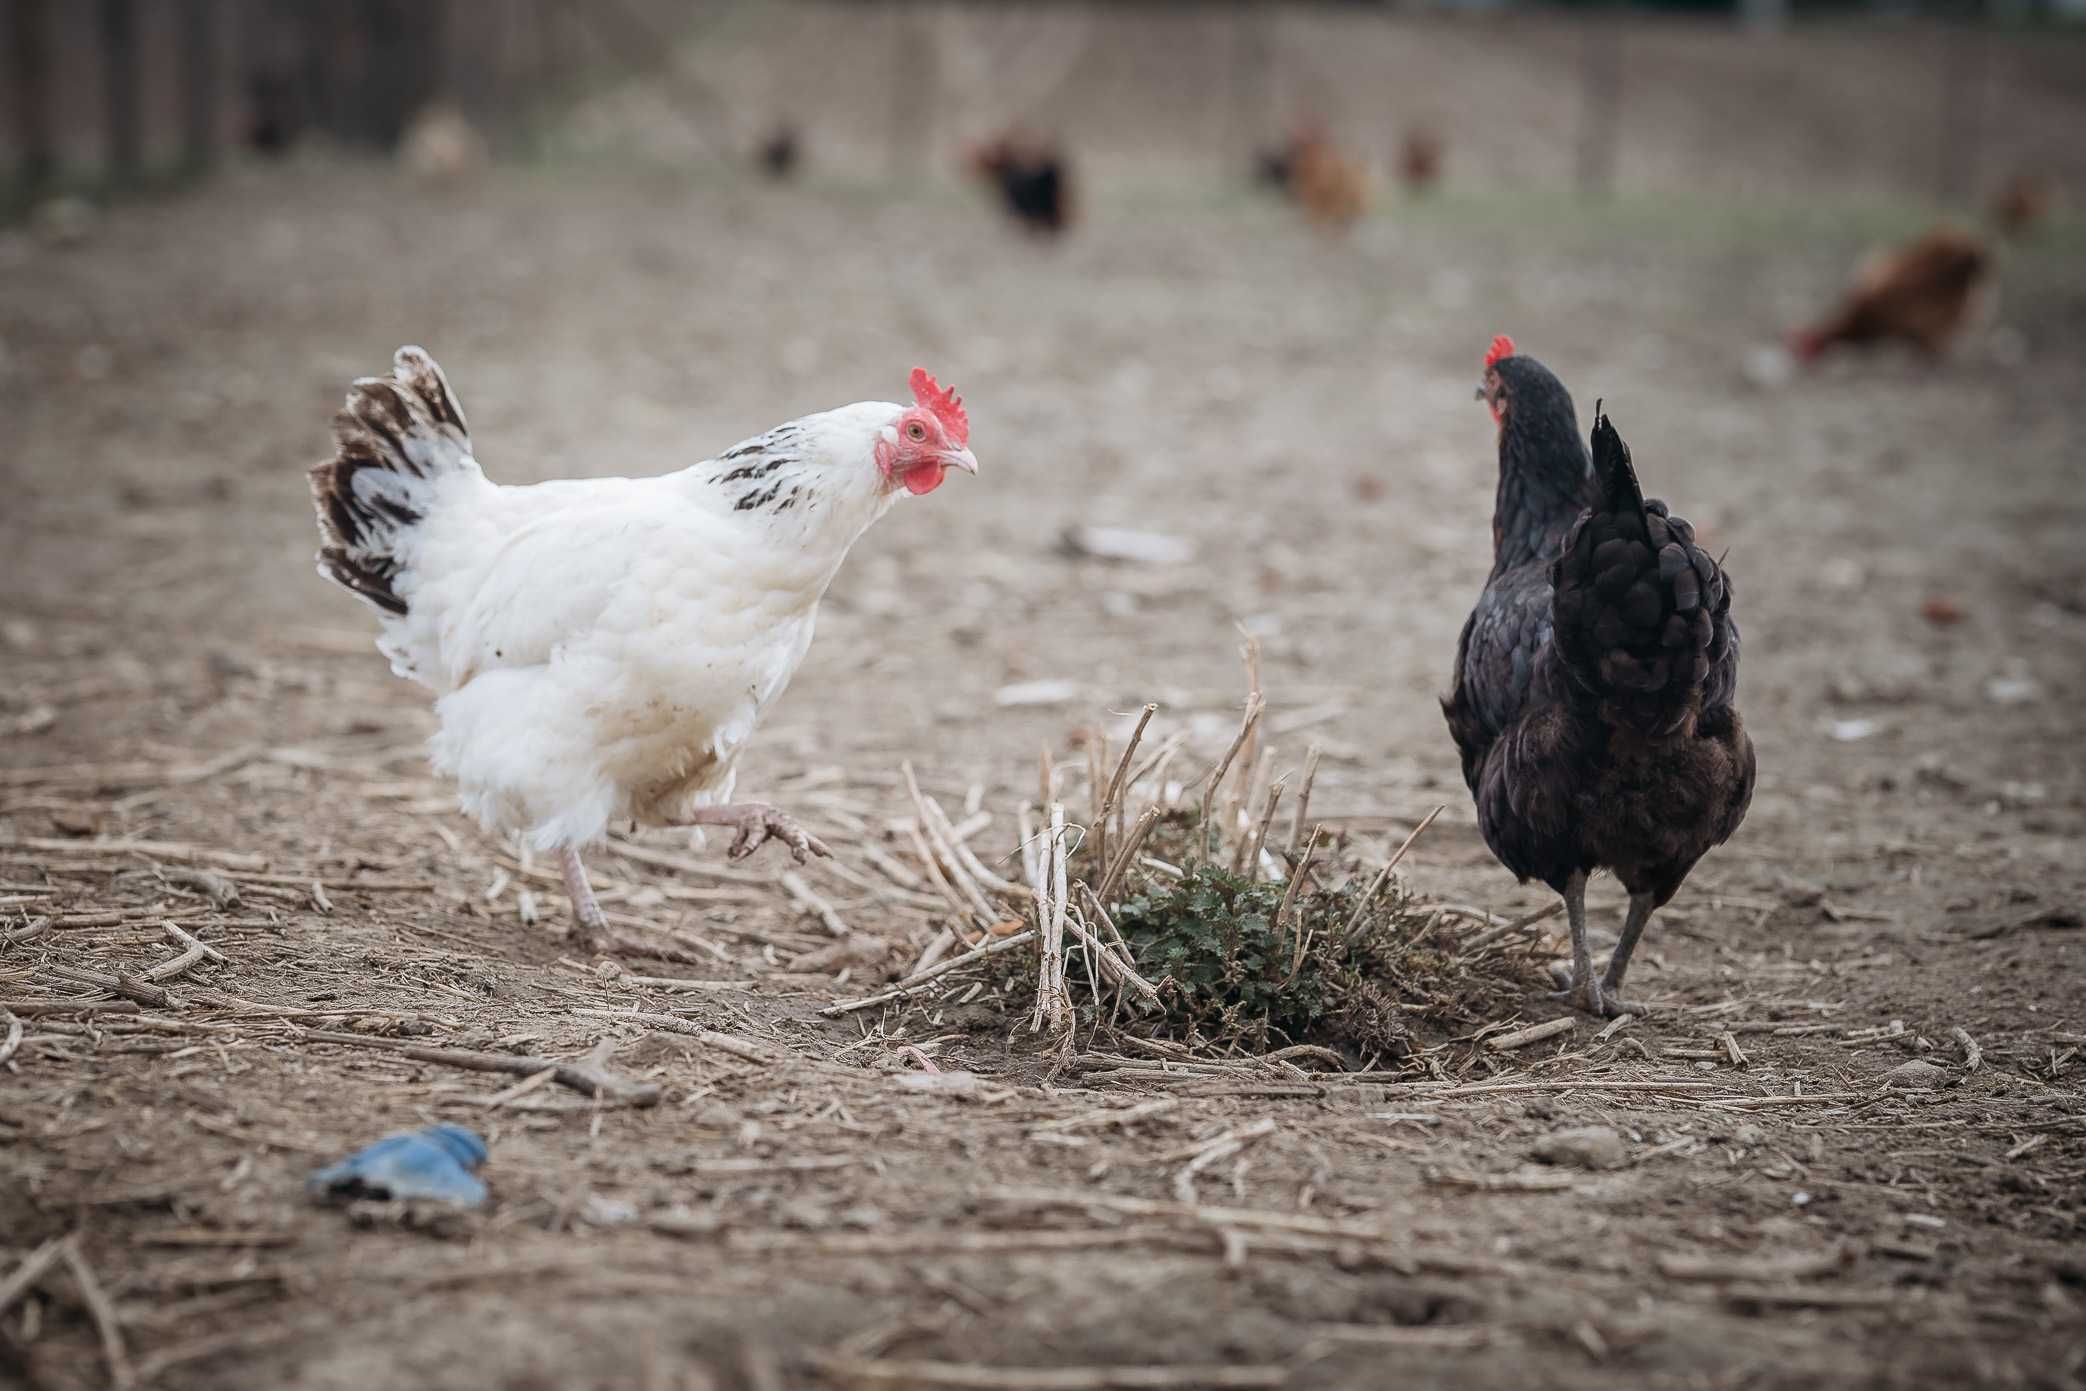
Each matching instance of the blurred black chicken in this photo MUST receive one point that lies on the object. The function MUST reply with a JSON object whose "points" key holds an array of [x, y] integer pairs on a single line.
{"points": [[1596, 678], [1033, 177], [780, 152]]}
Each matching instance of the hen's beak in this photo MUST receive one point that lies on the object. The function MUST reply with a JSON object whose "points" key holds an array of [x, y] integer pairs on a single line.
{"points": [[963, 459], [1479, 394]]}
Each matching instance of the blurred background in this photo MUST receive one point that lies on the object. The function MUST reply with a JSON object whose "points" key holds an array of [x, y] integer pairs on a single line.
{"points": [[1781, 99]]}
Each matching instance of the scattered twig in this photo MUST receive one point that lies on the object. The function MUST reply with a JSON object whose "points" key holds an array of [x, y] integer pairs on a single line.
{"points": [[122, 983], [1973, 1056], [589, 1076], [1526, 1181], [180, 935], [104, 1315], [991, 947], [13, 1041], [1798, 1266], [1508, 929], [167, 970], [1218, 1147], [24, 1276], [793, 884], [1534, 1033], [976, 1377]]}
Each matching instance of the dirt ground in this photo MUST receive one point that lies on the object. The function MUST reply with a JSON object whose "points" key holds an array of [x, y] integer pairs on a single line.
{"points": [[183, 694]]}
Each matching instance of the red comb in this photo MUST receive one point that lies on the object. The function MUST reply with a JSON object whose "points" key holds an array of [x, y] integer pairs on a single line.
{"points": [[1502, 346], [945, 405]]}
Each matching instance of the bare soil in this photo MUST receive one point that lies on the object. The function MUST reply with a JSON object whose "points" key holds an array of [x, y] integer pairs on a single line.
{"points": [[183, 694]]}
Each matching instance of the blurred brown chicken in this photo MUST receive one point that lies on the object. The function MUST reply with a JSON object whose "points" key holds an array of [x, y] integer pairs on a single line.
{"points": [[1419, 159], [1922, 293], [1332, 188], [2021, 203]]}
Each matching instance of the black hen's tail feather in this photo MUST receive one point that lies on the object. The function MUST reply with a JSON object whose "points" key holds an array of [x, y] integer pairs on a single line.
{"points": [[396, 437], [1640, 613]]}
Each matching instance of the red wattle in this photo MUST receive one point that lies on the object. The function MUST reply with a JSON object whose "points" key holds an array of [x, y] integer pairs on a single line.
{"points": [[924, 479]]}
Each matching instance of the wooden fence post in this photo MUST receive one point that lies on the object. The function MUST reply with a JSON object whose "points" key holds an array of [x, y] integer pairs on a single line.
{"points": [[199, 90], [119, 43], [29, 61]]}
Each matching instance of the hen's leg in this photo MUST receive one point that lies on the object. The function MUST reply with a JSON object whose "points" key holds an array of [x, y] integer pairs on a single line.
{"points": [[1641, 908], [1584, 991], [757, 824], [592, 925]]}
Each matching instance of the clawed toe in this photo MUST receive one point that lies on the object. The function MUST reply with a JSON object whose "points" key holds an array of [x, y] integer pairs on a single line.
{"points": [[1587, 997], [1614, 1005], [764, 824]]}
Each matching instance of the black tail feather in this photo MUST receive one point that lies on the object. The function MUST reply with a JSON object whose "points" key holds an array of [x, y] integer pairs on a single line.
{"points": [[1641, 614], [395, 436]]}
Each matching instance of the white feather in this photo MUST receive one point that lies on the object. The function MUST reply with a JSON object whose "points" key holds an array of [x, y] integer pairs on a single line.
{"points": [[602, 649]]}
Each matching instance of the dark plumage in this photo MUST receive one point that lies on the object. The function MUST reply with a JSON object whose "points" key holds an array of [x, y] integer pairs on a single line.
{"points": [[1033, 177], [1595, 680], [780, 153]]}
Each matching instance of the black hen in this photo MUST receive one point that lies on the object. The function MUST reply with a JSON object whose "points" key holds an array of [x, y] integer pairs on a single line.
{"points": [[1033, 177], [780, 153], [1596, 678]]}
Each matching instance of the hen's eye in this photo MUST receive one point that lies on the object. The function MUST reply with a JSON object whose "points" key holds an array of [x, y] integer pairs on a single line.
{"points": [[916, 431]]}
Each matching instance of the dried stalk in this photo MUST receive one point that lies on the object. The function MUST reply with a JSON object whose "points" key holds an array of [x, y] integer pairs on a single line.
{"points": [[1289, 895], [1248, 863], [1115, 967], [1115, 786], [990, 947], [1303, 808], [1053, 1002], [976, 910], [1126, 856], [958, 846], [1254, 705], [1384, 874]]}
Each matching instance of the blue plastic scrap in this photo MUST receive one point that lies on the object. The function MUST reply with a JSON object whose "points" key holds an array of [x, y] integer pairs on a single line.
{"points": [[439, 1162]]}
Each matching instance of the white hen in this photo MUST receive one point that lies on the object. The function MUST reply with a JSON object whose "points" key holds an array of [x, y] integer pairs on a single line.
{"points": [[601, 649]]}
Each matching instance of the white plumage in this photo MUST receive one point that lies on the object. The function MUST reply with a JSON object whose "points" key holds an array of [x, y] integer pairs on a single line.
{"points": [[602, 649]]}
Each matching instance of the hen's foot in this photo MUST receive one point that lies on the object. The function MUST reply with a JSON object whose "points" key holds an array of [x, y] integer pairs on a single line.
{"points": [[1595, 1000], [589, 925], [757, 824]]}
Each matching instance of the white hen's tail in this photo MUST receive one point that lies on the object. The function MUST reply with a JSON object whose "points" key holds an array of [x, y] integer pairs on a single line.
{"points": [[399, 437]]}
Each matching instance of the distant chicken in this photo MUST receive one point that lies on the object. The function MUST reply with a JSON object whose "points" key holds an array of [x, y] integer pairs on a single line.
{"points": [[2021, 203], [601, 649], [1595, 684], [780, 153], [1033, 177], [1419, 159], [1923, 293], [1332, 188]]}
